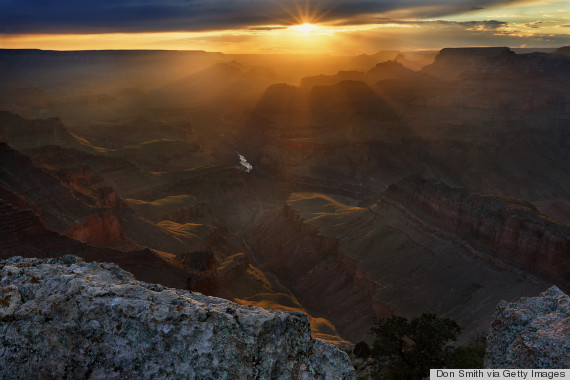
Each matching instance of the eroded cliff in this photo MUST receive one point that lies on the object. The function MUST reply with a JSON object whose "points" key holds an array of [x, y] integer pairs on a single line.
{"points": [[497, 227], [422, 247]]}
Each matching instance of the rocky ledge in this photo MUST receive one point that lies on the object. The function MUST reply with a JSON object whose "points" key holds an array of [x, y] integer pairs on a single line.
{"points": [[531, 333], [63, 318]]}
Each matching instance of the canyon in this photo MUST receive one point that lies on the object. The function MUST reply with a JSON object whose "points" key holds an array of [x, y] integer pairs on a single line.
{"points": [[457, 249], [391, 183]]}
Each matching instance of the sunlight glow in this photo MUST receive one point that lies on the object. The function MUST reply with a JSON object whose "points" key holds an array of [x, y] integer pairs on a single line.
{"points": [[306, 28]]}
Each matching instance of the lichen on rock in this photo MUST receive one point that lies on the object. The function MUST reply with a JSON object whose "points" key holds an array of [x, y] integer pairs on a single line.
{"points": [[63, 318], [531, 333]]}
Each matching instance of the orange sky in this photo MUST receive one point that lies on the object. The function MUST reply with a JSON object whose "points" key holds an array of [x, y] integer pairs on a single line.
{"points": [[533, 24]]}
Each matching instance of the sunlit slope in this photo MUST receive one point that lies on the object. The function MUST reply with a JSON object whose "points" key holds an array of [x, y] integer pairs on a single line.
{"points": [[212, 86], [164, 155], [159, 209], [320, 328], [406, 262], [251, 286], [173, 226], [114, 134]]}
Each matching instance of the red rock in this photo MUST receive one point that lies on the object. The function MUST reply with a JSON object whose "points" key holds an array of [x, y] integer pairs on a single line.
{"points": [[99, 229], [499, 227]]}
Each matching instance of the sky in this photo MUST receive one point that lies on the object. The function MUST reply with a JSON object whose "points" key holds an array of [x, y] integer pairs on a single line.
{"points": [[348, 27]]}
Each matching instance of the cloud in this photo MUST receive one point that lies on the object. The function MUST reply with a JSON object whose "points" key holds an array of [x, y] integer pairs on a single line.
{"points": [[266, 28], [534, 25], [436, 35], [105, 16], [479, 25]]}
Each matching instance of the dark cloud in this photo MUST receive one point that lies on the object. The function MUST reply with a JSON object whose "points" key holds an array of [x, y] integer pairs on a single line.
{"points": [[435, 35], [103, 16], [480, 25], [483, 25], [266, 28], [534, 25]]}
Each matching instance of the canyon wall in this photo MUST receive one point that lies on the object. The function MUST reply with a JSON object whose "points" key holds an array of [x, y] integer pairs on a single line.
{"points": [[423, 247], [497, 227], [314, 268]]}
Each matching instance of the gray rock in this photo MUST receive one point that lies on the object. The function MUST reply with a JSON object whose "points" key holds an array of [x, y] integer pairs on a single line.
{"points": [[63, 318], [531, 333]]}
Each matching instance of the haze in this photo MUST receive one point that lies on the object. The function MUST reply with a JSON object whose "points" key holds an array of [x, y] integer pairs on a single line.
{"points": [[348, 160], [338, 27]]}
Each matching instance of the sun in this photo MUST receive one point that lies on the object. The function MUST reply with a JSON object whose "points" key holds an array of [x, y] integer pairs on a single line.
{"points": [[306, 28]]}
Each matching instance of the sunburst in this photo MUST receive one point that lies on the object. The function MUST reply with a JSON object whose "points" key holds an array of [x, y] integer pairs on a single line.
{"points": [[305, 28], [306, 12]]}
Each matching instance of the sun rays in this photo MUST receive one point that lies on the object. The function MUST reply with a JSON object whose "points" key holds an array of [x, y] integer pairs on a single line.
{"points": [[306, 28], [305, 13], [326, 27]]}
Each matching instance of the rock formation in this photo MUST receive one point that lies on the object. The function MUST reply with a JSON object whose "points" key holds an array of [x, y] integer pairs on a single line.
{"points": [[148, 167], [380, 72], [505, 228], [564, 50], [73, 201], [531, 333], [329, 80], [463, 62], [22, 233], [451, 62], [24, 134], [64, 318], [93, 214], [424, 246]]}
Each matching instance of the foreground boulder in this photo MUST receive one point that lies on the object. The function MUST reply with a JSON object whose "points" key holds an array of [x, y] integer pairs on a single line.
{"points": [[531, 333], [63, 318]]}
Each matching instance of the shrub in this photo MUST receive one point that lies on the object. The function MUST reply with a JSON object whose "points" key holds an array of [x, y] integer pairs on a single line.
{"points": [[362, 350], [408, 349]]}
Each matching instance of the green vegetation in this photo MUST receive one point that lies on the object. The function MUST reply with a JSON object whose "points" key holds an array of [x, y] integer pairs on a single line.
{"points": [[362, 350], [470, 355], [405, 349]]}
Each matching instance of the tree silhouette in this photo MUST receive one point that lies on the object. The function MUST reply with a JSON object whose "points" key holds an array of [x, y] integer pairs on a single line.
{"points": [[408, 349]]}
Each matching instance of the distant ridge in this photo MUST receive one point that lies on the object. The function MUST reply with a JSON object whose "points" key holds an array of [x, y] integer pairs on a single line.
{"points": [[451, 63], [117, 51], [16, 54]]}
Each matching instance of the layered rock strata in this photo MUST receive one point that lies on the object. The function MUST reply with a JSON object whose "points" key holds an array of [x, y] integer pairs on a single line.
{"points": [[424, 246], [499, 227]]}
